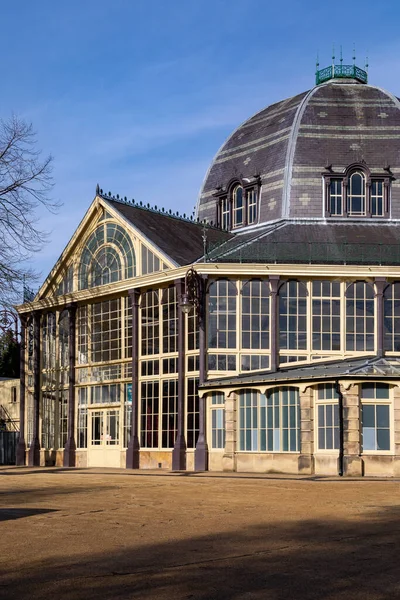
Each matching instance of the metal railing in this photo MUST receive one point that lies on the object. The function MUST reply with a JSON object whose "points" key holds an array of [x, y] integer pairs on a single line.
{"points": [[341, 72]]}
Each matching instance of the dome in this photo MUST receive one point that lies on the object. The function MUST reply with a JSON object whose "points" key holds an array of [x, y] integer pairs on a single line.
{"points": [[287, 149]]}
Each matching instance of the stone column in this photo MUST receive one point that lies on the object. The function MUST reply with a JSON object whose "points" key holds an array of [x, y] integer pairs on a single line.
{"points": [[306, 457], [396, 433], [179, 451], [380, 284], [229, 457], [21, 447], [34, 448], [274, 319], [133, 450], [201, 451], [352, 461], [70, 446]]}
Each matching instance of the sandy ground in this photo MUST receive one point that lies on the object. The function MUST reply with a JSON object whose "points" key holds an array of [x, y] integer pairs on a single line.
{"points": [[109, 533]]}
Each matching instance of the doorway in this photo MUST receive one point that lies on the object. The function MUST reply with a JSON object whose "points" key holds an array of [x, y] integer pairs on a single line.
{"points": [[104, 446]]}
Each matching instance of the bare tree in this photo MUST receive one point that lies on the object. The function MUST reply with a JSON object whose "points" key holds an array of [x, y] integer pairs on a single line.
{"points": [[25, 185]]}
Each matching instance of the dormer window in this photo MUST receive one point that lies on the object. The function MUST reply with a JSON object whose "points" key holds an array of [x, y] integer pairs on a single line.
{"points": [[356, 195], [336, 198], [225, 213], [251, 206], [237, 205], [357, 192]]}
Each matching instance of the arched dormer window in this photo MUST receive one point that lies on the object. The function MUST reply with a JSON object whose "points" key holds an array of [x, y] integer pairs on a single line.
{"points": [[237, 204], [107, 256], [356, 195], [357, 192]]}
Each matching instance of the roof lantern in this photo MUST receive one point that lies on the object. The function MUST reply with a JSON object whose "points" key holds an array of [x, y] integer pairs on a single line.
{"points": [[341, 71]]}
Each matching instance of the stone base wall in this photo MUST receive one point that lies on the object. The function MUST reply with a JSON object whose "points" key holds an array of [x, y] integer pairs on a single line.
{"points": [[155, 459], [81, 458], [267, 463], [380, 466], [326, 464]]}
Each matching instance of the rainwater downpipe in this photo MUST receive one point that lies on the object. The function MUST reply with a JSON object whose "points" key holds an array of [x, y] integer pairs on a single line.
{"points": [[341, 428]]}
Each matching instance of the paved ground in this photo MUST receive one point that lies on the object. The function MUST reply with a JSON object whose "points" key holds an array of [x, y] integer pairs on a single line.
{"points": [[103, 533]]}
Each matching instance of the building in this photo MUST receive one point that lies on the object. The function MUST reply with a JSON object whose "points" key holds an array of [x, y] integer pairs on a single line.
{"points": [[9, 419], [263, 335]]}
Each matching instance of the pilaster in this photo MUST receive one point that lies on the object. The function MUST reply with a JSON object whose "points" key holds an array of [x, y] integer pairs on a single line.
{"points": [[179, 451], [274, 285], [380, 283], [133, 450], [306, 458], [201, 451], [70, 446], [21, 447], [229, 457], [34, 448], [396, 424], [352, 461]]}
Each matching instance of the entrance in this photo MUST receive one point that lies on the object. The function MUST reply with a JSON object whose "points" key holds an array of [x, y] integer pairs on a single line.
{"points": [[104, 449]]}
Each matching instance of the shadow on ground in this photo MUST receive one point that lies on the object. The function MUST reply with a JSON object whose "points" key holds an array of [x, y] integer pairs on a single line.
{"points": [[10, 514], [309, 560]]}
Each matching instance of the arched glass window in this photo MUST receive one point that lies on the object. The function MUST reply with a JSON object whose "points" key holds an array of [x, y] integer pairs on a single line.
{"points": [[269, 423], [105, 267], [391, 322], [360, 317], [293, 316], [108, 256], [150, 315], [255, 315], [356, 195], [222, 315], [170, 320], [237, 202]]}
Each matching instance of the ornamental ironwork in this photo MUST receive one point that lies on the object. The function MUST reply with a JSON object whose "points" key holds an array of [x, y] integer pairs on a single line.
{"points": [[341, 72], [9, 322]]}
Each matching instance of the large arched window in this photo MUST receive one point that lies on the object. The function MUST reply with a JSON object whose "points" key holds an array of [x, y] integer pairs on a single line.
{"points": [[360, 317], [255, 315], [237, 206], [391, 323], [108, 256], [293, 316], [271, 422], [222, 314], [356, 195], [105, 267]]}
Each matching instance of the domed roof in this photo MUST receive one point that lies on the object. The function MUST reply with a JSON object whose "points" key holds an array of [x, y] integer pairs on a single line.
{"points": [[288, 145]]}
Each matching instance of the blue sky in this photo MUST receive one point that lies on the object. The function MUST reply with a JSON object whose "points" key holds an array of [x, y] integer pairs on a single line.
{"points": [[138, 95]]}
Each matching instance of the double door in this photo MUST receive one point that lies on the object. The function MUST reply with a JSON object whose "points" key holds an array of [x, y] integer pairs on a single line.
{"points": [[104, 447]]}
